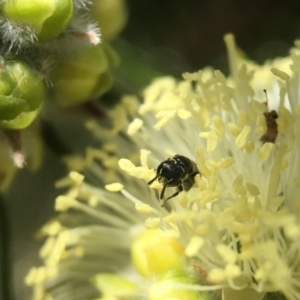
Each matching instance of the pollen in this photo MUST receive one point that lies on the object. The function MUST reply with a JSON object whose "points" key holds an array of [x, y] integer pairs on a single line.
{"points": [[183, 114], [64, 203], [282, 75], [165, 117], [226, 162], [228, 255], [152, 222], [46, 250], [212, 139], [265, 151], [143, 208], [134, 126], [232, 271], [234, 129], [114, 187], [252, 189], [194, 245], [218, 125], [127, 166], [242, 137], [216, 275]]}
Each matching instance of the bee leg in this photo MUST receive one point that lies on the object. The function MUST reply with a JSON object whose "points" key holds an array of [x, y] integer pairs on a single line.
{"points": [[179, 189], [162, 192]]}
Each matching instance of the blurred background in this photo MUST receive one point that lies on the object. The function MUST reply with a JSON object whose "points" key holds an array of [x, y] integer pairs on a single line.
{"points": [[161, 37]]}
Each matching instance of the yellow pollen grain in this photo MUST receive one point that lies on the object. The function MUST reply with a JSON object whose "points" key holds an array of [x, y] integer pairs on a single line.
{"points": [[216, 275], [282, 75], [252, 189], [47, 247], [157, 87], [114, 187], [52, 228], [237, 183], [144, 157], [208, 196], [143, 208], [220, 76], [228, 255], [232, 271], [165, 116], [212, 140], [265, 150], [292, 231], [59, 251], [195, 105], [218, 125], [201, 182], [226, 162], [126, 165], [134, 126], [183, 114], [63, 203], [234, 129], [242, 137], [194, 245], [284, 120], [183, 200], [152, 222], [30, 277], [64, 182], [76, 177], [93, 201], [36, 276], [204, 170]]}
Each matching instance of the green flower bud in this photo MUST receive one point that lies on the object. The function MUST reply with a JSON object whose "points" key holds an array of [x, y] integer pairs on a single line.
{"points": [[152, 254], [47, 18], [83, 76], [21, 95], [111, 16], [165, 287], [113, 286]]}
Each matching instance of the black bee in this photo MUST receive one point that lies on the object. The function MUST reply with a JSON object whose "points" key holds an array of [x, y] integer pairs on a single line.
{"points": [[177, 171], [272, 127]]}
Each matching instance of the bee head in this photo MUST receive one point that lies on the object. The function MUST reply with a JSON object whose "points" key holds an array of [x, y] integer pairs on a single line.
{"points": [[169, 173]]}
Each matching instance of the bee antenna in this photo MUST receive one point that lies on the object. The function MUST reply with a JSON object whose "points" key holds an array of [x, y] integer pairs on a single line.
{"points": [[267, 100], [152, 180]]}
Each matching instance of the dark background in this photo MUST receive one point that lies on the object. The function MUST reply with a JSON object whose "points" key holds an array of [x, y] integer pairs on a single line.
{"points": [[162, 37]]}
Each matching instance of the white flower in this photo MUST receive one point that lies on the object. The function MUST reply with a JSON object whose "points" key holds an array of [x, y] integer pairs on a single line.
{"points": [[239, 223]]}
